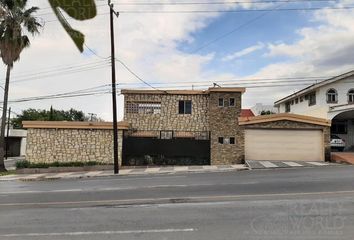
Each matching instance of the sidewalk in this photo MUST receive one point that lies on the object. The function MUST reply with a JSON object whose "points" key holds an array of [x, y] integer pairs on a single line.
{"points": [[123, 172]]}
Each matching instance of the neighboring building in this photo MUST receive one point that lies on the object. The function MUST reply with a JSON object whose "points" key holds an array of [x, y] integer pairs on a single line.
{"points": [[247, 113], [259, 108], [331, 99], [179, 127], [16, 142]]}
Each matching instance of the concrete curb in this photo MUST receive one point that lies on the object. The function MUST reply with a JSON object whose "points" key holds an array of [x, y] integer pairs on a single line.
{"points": [[123, 172]]}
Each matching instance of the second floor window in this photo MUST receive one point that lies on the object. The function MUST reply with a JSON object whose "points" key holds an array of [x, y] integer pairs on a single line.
{"points": [[221, 102], [351, 96], [232, 102], [332, 96], [143, 107], [312, 98], [185, 107], [287, 107]]}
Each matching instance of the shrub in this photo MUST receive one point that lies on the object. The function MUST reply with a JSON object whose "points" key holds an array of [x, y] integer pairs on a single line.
{"points": [[27, 164]]}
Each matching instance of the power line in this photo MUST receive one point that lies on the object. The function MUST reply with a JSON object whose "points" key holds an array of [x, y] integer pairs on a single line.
{"points": [[217, 3], [233, 11], [136, 75]]}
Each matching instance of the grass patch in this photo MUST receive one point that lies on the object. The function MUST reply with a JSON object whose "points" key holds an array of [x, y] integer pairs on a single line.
{"points": [[7, 173], [27, 164]]}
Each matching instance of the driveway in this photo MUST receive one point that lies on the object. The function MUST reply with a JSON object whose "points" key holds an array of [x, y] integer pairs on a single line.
{"points": [[286, 164]]}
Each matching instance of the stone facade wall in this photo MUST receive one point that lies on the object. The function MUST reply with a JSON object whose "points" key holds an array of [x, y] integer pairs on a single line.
{"points": [[223, 122], [67, 145], [285, 124], [169, 118]]}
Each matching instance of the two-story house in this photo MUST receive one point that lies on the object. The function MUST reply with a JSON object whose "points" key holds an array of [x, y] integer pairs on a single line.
{"points": [[331, 99], [183, 127]]}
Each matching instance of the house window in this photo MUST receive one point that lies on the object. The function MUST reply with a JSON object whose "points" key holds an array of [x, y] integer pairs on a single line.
{"points": [[339, 127], [332, 96], [221, 102], [185, 107], [232, 102], [143, 107], [301, 99], [351, 96], [312, 98], [232, 140], [221, 140], [287, 107], [296, 101]]}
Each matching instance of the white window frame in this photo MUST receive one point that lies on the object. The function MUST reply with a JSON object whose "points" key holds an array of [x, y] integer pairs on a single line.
{"points": [[332, 95]]}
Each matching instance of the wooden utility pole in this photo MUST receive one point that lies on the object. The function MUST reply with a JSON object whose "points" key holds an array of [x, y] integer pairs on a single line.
{"points": [[114, 90]]}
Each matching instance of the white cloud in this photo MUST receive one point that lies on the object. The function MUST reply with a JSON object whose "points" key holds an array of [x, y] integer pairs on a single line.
{"points": [[243, 52]]}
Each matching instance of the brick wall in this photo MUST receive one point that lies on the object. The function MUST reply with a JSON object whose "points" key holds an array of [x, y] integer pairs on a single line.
{"points": [[223, 122], [66, 145], [169, 118]]}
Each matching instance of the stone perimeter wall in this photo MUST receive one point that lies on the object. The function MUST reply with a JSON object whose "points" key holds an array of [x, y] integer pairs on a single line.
{"points": [[71, 145], [169, 118]]}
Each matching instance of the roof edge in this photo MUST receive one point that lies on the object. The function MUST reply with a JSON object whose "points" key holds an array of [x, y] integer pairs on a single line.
{"points": [[282, 117], [184, 92], [73, 125], [314, 86]]}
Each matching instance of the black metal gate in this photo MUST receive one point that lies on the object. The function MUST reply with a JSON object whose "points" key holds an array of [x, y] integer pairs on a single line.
{"points": [[138, 151]]}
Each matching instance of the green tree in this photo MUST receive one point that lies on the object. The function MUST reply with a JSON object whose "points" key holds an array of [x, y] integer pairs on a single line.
{"points": [[267, 112], [15, 19], [48, 115], [77, 9]]}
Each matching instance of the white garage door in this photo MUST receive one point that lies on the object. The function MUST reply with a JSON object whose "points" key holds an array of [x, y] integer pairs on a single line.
{"points": [[284, 145]]}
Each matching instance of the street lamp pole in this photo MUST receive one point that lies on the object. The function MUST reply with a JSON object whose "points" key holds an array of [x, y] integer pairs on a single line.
{"points": [[114, 90]]}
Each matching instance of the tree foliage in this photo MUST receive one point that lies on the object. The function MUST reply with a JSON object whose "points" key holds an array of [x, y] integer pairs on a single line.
{"points": [[16, 20], [77, 9], [48, 115], [267, 112]]}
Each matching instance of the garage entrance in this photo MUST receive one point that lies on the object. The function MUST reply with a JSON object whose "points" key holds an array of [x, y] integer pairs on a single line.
{"points": [[284, 145], [286, 137]]}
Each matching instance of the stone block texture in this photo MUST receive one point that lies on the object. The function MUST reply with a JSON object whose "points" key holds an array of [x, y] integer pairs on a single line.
{"points": [[67, 145], [169, 117], [286, 124], [223, 122]]}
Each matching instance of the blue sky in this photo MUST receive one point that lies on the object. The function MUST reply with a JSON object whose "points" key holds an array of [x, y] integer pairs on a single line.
{"points": [[160, 48]]}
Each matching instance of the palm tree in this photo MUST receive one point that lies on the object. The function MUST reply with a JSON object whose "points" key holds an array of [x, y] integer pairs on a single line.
{"points": [[15, 21]]}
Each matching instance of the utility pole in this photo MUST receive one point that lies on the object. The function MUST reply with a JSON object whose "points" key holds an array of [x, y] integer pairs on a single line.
{"points": [[92, 115], [7, 134], [114, 90]]}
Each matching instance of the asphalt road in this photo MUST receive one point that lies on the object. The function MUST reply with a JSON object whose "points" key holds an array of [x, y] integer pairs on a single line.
{"points": [[305, 203]]}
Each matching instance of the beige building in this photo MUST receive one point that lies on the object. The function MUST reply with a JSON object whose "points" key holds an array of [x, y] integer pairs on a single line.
{"points": [[183, 127]]}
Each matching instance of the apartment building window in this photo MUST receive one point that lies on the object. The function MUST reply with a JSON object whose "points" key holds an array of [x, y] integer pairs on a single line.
{"points": [[232, 140], [143, 107], [232, 102], [351, 96], [312, 98], [332, 96], [185, 107], [221, 140], [287, 107], [221, 102]]}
